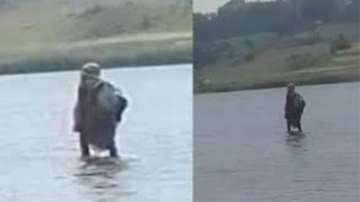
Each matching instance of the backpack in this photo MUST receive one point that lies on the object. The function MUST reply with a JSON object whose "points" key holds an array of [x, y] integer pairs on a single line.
{"points": [[110, 99], [122, 104], [299, 102]]}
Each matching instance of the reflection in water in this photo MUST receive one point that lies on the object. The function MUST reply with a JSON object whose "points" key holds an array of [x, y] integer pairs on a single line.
{"points": [[296, 142], [100, 179]]}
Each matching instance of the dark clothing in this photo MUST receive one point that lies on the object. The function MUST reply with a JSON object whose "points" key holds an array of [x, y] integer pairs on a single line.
{"points": [[84, 145], [122, 105], [96, 125], [294, 109]]}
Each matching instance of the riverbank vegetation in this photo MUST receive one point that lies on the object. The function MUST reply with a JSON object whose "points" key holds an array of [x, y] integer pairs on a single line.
{"points": [[40, 35]]}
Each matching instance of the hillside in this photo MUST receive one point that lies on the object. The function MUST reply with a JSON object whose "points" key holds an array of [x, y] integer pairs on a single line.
{"points": [[304, 58], [60, 34]]}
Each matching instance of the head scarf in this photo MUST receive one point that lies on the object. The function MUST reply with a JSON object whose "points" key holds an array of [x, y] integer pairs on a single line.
{"points": [[91, 70]]}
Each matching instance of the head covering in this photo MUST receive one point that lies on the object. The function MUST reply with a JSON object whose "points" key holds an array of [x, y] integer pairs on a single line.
{"points": [[91, 69], [291, 88], [291, 85]]}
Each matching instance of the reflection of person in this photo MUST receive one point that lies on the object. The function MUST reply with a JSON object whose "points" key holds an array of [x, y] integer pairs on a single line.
{"points": [[98, 110], [294, 108]]}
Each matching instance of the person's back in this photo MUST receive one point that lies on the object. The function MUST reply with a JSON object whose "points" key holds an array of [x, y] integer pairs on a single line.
{"points": [[294, 108], [97, 111]]}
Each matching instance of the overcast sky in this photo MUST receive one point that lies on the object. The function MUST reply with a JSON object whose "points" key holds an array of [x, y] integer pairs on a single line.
{"points": [[206, 6]]}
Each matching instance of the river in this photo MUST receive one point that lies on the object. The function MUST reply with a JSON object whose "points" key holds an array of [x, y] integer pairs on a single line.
{"points": [[40, 158], [243, 153]]}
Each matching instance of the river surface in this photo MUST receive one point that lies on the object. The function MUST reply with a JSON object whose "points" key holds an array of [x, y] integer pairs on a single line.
{"points": [[242, 152], [40, 157]]}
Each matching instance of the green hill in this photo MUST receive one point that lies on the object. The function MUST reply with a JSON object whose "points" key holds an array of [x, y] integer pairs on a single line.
{"points": [[267, 60], [40, 35]]}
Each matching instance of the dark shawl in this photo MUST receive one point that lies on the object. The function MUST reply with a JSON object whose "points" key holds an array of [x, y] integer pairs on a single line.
{"points": [[98, 125], [294, 106]]}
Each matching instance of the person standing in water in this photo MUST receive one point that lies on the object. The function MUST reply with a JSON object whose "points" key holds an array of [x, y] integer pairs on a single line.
{"points": [[294, 108], [98, 111]]}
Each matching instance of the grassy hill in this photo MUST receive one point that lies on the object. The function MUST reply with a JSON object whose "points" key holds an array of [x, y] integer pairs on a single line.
{"points": [[41, 35], [267, 60]]}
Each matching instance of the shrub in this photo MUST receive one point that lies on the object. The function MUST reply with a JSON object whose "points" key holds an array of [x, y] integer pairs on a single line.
{"points": [[249, 57], [340, 43], [299, 61]]}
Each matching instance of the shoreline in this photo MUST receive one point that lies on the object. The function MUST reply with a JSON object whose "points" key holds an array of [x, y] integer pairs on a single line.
{"points": [[68, 63], [104, 68], [340, 67], [119, 51], [262, 86]]}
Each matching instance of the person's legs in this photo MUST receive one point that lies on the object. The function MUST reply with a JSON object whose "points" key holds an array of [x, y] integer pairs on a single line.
{"points": [[299, 117], [84, 146], [298, 124], [288, 124], [113, 150]]}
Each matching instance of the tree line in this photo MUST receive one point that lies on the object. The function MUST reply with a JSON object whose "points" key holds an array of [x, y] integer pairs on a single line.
{"points": [[283, 17], [237, 17]]}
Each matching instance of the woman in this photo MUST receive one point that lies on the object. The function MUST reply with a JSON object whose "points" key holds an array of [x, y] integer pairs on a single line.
{"points": [[294, 108], [98, 110]]}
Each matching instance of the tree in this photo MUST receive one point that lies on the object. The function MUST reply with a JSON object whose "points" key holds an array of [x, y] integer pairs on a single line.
{"points": [[297, 6], [325, 10], [352, 10]]}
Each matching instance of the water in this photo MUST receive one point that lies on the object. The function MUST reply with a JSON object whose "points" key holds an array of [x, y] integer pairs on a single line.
{"points": [[242, 152], [40, 155]]}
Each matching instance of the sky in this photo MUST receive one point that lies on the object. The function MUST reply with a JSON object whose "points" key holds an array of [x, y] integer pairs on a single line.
{"points": [[206, 6]]}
